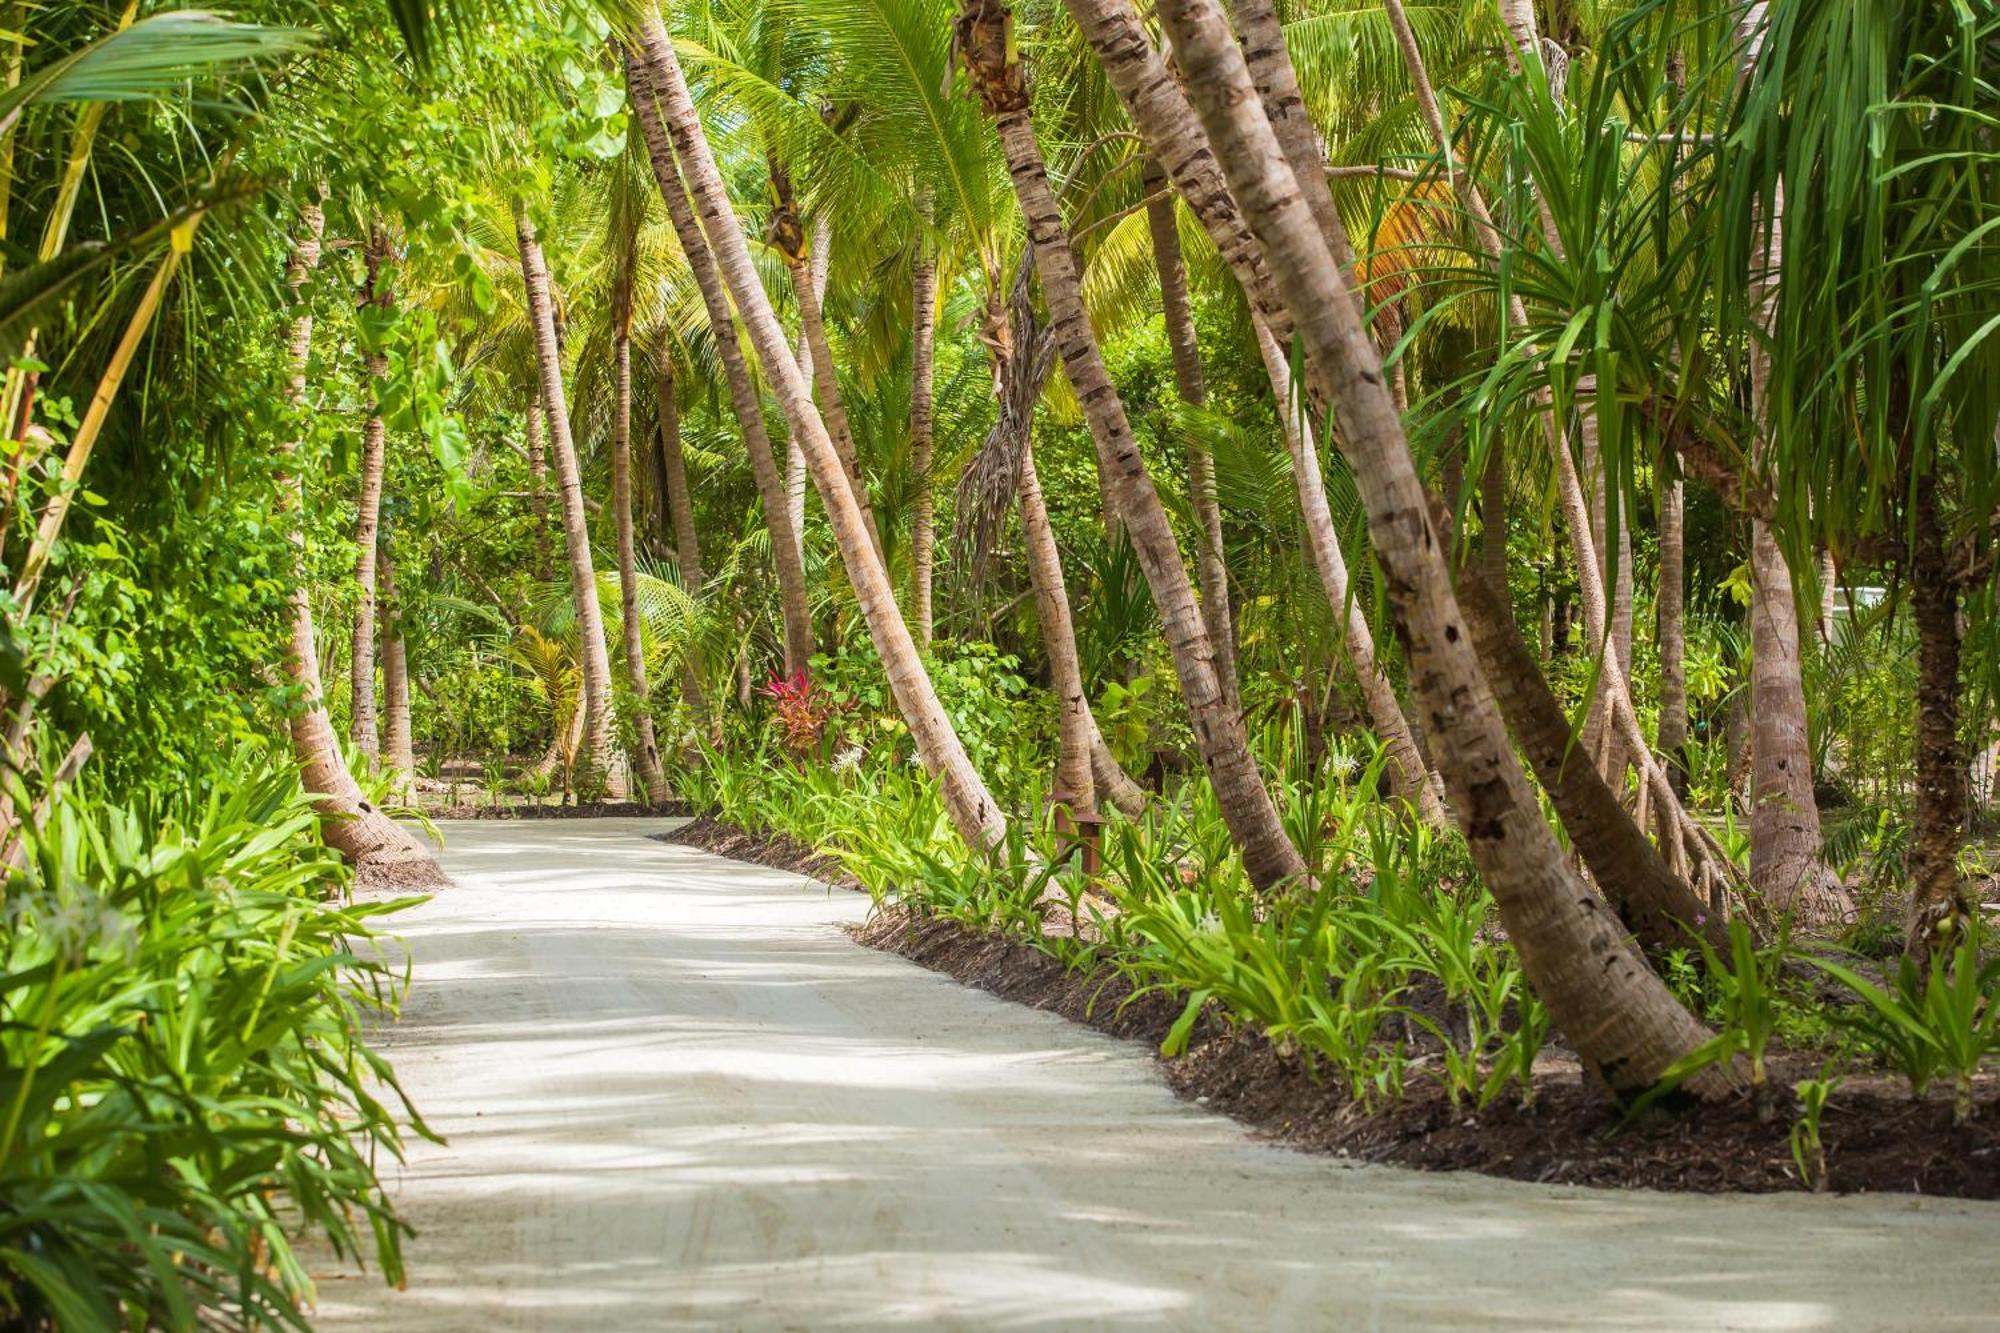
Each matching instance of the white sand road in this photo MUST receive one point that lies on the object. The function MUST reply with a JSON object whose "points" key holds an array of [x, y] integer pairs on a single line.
{"points": [[677, 1096]]}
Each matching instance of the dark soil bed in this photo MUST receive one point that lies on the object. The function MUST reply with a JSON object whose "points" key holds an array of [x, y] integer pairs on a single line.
{"points": [[764, 849], [1876, 1138]]}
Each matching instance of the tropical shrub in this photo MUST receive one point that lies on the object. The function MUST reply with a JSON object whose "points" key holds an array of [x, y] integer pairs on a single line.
{"points": [[186, 1086]]}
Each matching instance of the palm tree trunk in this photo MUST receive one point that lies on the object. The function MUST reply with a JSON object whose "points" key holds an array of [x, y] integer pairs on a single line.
{"points": [[923, 359], [380, 850], [398, 751], [1616, 1013], [600, 751], [1785, 864], [985, 41], [786, 553], [967, 801], [1654, 904], [796, 481], [1271, 74], [1600, 732], [1413, 778], [1671, 608], [1493, 519], [1211, 560], [362, 723], [538, 479], [1172, 136], [679, 503], [1940, 902], [1074, 783], [807, 287], [651, 775], [1613, 685], [1021, 354]]}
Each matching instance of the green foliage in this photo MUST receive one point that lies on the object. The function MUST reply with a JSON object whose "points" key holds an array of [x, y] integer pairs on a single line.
{"points": [[1943, 1020], [186, 1085], [1808, 1153]]}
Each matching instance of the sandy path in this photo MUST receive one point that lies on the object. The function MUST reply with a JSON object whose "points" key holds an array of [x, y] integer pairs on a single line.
{"points": [[678, 1097]]}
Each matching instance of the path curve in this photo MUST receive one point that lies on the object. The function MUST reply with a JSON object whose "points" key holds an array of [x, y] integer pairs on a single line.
{"points": [[677, 1096]]}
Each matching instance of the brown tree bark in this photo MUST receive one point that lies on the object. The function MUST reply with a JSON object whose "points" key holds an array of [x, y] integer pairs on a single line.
{"points": [[600, 752], [1413, 778], [538, 480], [923, 360], [651, 776], [362, 724], [1940, 902], [399, 757], [794, 602], [380, 850], [1074, 783], [985, 42], [809, 269], [1785, 864], [1211, 561], [1616, 1013], [1671, 609], [673, 465], [679, 502], [1652, 901], [966, 799], [796, 479]]}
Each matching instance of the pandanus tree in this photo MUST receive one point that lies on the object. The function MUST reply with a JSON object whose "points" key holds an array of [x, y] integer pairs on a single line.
{"points": [[1612, 1007], [1853, 218]]}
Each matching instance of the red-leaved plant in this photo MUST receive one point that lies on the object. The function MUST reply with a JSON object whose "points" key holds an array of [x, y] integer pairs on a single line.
{"points": [[805, 710]]}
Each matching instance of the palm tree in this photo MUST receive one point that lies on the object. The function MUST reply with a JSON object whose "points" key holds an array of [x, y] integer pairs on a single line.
{"points": [[985, 43], [966, 799], [379, 848], [1211, 562], [600, 727], [650, 773], [786, 552], [1615, 1011], [375, 297]]}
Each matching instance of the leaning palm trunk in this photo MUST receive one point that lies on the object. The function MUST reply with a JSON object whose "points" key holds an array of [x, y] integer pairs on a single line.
{"points": [[1619, 1016], [362, 725], [1211, 561], [650, 773], [1414, 780], [786, 553], [967, 801], [379, 849], [1687, 842], [599, 754], [923, 349], [399, 759], [985, 43]]}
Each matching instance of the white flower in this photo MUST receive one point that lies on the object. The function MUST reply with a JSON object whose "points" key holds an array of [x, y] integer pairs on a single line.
{"points": [[849, 759]]}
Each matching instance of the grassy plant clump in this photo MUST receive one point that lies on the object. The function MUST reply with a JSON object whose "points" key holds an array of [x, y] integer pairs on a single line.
{"points": [[185, 1085]]}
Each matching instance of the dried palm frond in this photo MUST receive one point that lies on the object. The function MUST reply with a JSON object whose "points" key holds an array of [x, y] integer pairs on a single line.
{"points": [[986, 488]]}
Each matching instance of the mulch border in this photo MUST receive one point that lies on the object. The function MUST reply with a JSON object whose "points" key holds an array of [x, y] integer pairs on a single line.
{"points": [[1877, 1139]]}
